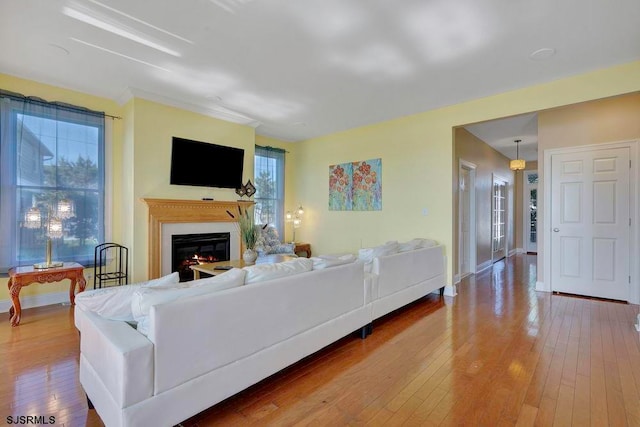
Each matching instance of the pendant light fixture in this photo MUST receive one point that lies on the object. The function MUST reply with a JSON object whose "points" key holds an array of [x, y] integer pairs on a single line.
{"points": [[518, 164]]}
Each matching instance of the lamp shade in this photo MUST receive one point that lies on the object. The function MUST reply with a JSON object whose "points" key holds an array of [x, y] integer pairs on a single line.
{"points": [[66, 209], [54, 228], [517, 164], [33, 218]]}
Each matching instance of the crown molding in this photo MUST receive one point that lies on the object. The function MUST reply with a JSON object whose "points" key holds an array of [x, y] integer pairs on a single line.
{"points": [[216, 112]]}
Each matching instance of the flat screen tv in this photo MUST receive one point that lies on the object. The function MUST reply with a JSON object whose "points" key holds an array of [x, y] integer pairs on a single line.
{"points": [[205, 165]]}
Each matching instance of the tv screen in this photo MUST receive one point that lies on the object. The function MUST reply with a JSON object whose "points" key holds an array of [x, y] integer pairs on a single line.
{"points": [[205, 165]]}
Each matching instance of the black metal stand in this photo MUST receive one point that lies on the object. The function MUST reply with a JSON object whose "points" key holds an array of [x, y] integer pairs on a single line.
{"points": [[111, 264]]}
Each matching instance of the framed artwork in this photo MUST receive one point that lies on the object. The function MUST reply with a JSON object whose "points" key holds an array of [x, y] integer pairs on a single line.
{"points": [[356, 186]]}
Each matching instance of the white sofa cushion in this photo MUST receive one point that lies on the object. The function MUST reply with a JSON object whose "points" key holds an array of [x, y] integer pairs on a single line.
{"points": [[114, 303], [327, 261], [366, 255], [263, 272], [144, 298], [416, 244]]}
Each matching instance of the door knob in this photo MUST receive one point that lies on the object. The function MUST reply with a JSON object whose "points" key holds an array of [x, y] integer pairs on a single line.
{"points": [[556, 230]]}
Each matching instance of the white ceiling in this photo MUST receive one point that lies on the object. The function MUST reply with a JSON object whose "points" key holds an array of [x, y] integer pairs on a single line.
{"points": [[501, 134], [303, 68]]}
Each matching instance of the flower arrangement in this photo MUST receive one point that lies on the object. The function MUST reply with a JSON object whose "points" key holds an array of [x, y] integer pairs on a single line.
{"points": [[247, 228]]}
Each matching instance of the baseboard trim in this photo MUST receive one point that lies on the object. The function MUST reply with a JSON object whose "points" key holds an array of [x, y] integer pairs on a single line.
{"points": [[31, 301], [457, 279], [450, 290], [480, 268], [541, 287]]}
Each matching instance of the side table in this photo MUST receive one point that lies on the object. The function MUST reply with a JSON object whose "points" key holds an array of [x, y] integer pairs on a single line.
{"points": [[24, 276], [303, 247]]}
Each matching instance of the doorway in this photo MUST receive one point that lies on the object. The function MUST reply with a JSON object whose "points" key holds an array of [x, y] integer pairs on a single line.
{"points": [[499, 219], [530, 211], [466, 219]]}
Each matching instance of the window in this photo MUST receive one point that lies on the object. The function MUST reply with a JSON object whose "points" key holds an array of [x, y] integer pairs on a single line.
{"points": [[51, 155], [269, 181]]}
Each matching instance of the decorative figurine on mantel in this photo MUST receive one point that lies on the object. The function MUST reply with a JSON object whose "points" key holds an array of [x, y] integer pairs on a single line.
{"points": [[247, 189]]}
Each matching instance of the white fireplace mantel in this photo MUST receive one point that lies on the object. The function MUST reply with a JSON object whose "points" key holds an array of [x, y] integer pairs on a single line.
{"points": [[162, 211]]}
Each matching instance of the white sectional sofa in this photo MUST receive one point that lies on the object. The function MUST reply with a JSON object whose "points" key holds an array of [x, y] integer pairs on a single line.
{"points": [[403, 277], [206, 346]]}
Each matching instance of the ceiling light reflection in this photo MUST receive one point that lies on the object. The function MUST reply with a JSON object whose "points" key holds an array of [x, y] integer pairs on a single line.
{"points": [[122, 55], [230, 5], [114, 29], [261, 107], [140, 21]]}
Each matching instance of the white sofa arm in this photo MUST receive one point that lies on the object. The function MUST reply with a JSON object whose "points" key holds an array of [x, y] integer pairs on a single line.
{"points": [[121, 357]]}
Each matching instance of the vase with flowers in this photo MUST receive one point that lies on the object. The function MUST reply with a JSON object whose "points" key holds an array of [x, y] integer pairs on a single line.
{"points": [[249, 233]]}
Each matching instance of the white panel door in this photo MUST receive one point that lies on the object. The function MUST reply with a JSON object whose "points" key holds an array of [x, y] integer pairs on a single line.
{"points": [[590, 223]]}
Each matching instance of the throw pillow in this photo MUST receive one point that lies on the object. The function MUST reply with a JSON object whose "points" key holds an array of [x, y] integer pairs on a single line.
{"points": [[114, 303], [143, 299], [263, 272]]}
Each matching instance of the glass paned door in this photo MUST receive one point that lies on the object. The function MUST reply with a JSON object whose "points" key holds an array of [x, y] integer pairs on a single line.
{"points": [[531, 211], [499, 226]]}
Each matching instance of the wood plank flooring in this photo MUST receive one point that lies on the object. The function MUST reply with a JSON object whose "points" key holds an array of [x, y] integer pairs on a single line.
{"points": [[498, 354]]}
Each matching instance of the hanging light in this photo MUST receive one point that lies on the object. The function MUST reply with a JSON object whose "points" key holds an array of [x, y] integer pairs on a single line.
{"points": [[300, 211], [518, 164]]}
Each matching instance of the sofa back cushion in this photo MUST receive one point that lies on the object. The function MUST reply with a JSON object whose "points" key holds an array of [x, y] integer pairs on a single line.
{"points": [[417, 243], [366, 255], [328, 261], [143, 299], [114, 303], [263, 272], [193, 336]]}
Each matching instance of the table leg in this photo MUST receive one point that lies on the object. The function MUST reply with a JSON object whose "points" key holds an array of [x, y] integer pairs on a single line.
{"points": [[14, 293], [196, 275], [82, 284]]}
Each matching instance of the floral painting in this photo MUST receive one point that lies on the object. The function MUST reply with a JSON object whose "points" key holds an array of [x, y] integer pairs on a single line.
{"points": [[356, 186], [340, 187]]}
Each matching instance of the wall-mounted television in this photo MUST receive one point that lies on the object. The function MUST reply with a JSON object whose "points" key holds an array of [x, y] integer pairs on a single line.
{"points": [[206, 165]]}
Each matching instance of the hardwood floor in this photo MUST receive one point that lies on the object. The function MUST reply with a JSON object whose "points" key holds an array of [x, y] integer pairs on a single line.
{"points": [[498, 354]]}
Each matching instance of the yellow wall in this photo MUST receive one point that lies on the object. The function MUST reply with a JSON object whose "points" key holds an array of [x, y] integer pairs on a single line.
{"points": [[417, 162], [489, 162]]}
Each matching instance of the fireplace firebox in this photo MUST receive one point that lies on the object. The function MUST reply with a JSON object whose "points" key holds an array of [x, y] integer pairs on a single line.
{"points": [[191, 249]]}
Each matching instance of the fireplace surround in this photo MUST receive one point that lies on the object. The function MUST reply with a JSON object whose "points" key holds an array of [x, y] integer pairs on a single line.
{"points": [[173, 211]]}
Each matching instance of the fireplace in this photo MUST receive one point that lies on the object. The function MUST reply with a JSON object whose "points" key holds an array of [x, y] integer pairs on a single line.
{"points": [[190, 249]]}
